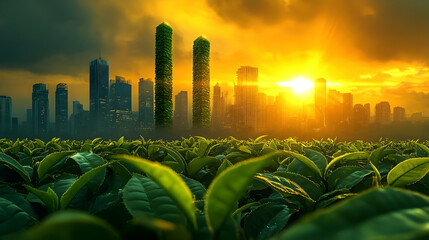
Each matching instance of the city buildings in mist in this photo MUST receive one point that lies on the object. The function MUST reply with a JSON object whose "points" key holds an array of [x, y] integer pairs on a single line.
{"points": [[251, 113]]}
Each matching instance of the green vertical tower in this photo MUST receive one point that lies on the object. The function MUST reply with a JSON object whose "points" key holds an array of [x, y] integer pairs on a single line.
{"points": [[201, 83], [163, 76]]}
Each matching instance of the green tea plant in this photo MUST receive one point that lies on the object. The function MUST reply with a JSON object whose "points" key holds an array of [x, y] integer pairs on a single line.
{"points": [[201, 188]]}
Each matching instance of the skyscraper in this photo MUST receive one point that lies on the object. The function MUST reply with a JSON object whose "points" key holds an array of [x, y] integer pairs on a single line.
{"points": [[146, 117], [5, 114], [40, 107], [61, 108], [382, 112], [320, 101], [201, 83], [333, 109], [181, 111], [398, 114], [347, 107], [360, 116], [99, 93], [163, 76], [216, 108], [120, 100], [246, 96]]}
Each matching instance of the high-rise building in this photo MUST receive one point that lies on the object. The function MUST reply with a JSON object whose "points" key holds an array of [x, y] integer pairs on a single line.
{"points": [[333, 109], [120, 101], [181, 111], [360, 116], [99, 93], [163, 76], [201, 83], [14, 125], [399, 114], [320, 101], [382, 112], [367, 107], [5, 114], [146, 117], [347, 107], [216, 108], [246, 97], [61, 108], [40, 107]]}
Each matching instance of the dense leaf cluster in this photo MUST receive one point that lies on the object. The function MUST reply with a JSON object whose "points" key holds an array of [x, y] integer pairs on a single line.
{"points": [[198, 188]]}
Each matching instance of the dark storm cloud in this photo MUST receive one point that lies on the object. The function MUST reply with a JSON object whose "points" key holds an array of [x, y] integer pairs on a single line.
{"points": [[382, 30], [61, 37]]}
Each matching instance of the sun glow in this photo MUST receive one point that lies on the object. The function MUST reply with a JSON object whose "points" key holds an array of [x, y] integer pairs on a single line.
{"points": [[299, 85]]}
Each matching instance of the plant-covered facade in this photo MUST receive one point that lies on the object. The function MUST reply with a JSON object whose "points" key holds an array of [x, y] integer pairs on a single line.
{"points": [[201, 83], [163, 76]]}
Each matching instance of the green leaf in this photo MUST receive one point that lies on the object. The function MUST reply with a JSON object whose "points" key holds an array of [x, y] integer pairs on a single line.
{"points": [[350, 157], [197, 163], [71, 225], [14, 165], [49, 198], [317, 158], [196, 187], [378, 214], [143, 196], [408, 171], [227, 188], [266, 221], [203, 147], [308, 162], [176, 156], [50, 161], [68, 196], [13, 218], [88, 161], [169, 180], [377, 155], [422, 150], [225, 164], [313, 189], [346, 177]]}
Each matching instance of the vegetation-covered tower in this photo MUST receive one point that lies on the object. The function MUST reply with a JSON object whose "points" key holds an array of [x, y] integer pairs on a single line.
{"points": [[201, 83], [163, 76]]}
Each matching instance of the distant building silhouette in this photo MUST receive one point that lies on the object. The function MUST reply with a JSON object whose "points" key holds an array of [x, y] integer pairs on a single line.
{"points": [[181, 111], [246, 97], [80, 120], [360, 116], [382, 112], [61, 109], [163, 76], [5, 114], [99, 94], [367, 107], [120, 102], [320, 101], [146, 110], [201, 83], [347, 107], [399, 114], [333, 109], [216, 115], [15, 127], [40, 107]]}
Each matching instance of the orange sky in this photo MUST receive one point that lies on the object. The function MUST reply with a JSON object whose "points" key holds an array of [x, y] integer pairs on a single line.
{"points": [[378, 50]]}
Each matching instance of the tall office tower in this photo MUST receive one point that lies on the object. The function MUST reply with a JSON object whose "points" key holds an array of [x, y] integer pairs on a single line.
{"points": [[367, 107], [120, 101], [181, 111], [201, 83], [40, 106], [320, 101], [382, 112], [61, 108], [360, 118], [77, 107], [163, 76], [347, 107], [5, 114], [246, 96], [333, 109], [14, 128], [399, 114], [146, 118], [216, 121], [261, 112], [99, 94]]}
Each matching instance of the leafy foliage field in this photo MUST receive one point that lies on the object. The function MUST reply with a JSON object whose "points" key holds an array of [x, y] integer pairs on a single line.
{"points": [[213, 189]]}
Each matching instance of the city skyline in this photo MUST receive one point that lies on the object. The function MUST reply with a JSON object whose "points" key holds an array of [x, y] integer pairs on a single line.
{"points": [[382, 57]]}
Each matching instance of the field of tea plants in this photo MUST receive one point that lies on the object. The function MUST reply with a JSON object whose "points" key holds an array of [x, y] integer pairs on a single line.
{"points": [[201, 188]]}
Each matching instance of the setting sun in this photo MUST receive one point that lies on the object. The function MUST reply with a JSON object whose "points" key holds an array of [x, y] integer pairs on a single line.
{"points": [[299, 85]]}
